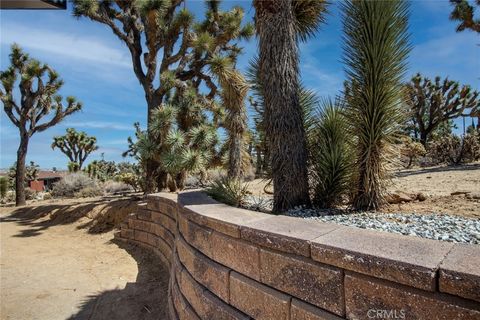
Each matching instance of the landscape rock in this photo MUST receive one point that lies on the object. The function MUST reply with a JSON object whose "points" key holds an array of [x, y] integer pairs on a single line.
{"points": [[421, 197], [459, 192], [399, 197]]}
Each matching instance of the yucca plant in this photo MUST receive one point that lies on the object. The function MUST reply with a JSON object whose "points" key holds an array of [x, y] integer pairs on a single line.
{"points": [[375, 52], [229, 191], [330, 154]]}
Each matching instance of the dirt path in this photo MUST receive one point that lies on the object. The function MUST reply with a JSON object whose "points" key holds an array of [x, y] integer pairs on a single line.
{"points": [[62, 271]]}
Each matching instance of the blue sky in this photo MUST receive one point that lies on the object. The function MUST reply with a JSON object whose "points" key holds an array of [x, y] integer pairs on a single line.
{"points": [[96, 68]]}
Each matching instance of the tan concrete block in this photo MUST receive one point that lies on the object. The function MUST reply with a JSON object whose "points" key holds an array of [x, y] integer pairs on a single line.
{"points": [[368, 297], [304, 311], [460, 272], [236, 254], [205, 304], [162, 232], [144, 214], [407, 260], [284, 233], [198, 237], [165, 221], [141, 236], [205, 211], [127, 234], [183, 309], [205, 271], [257, 300], [304, 279]]}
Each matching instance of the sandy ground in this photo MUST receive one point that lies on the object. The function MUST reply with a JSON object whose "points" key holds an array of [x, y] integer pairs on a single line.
{"points": [[58, 264], [437, 183]]}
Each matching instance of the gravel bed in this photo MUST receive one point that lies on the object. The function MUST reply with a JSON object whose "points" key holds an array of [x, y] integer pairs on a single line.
{"points": [[437, 226]]}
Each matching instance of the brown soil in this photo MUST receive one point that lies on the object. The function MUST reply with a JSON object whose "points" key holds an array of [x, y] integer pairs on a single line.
{"points": [[437, 183], [59, 261]]}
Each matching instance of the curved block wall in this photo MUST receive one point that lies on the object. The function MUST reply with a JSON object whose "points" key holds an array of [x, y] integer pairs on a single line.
{"points": [[230, 263]]}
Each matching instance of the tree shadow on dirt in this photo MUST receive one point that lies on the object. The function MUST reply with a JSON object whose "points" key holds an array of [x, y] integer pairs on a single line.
{"points": [[103, 214], [146, 298], [467, 167]]}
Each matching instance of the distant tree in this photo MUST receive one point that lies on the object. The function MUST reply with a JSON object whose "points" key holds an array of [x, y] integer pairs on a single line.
{"points": [[3, 187], [411, 150], [167, 47], [433, 103], [77, 146], [375, 54], [38, 86], [101, 169], [32, 171], [280, 26], [464, 12]]}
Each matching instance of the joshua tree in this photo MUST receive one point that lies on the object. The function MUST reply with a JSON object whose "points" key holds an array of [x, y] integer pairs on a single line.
{"points": [[375, 52], [174, 150], [433, 103], [32, 171], [167, 30], [234, 90], [464, 13], [77, 146], [38, 86], [280, 25]]}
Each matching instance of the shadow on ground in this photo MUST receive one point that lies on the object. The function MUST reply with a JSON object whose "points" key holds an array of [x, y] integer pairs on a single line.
{"points": [[466, 167], [146, 298], [103, 214]]}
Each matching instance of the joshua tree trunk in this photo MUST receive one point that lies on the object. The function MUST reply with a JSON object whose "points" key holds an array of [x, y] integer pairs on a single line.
{"points": [[283, 114], [180, 179], [235, 155], [423, 137], [153, 101], [20, 174]]}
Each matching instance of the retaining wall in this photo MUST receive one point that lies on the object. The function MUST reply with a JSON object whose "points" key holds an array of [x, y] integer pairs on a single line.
{"points": [[230, 263]]}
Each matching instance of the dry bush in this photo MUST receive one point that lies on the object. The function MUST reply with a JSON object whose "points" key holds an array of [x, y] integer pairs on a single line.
{"points": [[88, 192], [116, 187], [30, 194], [71, 184]]}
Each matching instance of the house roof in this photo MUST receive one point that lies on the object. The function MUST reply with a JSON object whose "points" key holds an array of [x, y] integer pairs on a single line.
{"points": [[45, 175]]}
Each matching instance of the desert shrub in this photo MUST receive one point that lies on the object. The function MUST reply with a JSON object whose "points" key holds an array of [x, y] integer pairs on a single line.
{"points": [[72, 183], [330, 155], [90, 191], [30, 194], [111, 186], [229, 191], [47, 196], [454, 149], [130, 179], [411, 150], [3, 187]]}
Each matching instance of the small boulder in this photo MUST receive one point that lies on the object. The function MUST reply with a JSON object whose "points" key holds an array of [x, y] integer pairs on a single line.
{"points": [[459, 192], [473, 196], [421, 197], [398, 197]]}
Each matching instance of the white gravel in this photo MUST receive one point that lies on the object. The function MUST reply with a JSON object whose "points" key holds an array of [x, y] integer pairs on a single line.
{"points": [[437, 226]]}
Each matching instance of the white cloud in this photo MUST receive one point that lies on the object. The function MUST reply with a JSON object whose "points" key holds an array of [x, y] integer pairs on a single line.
{"points": [[86, 49], [98, 125]]}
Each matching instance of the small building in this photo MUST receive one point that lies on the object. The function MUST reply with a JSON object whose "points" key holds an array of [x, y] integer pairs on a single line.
{"points": [[45, 180]]}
